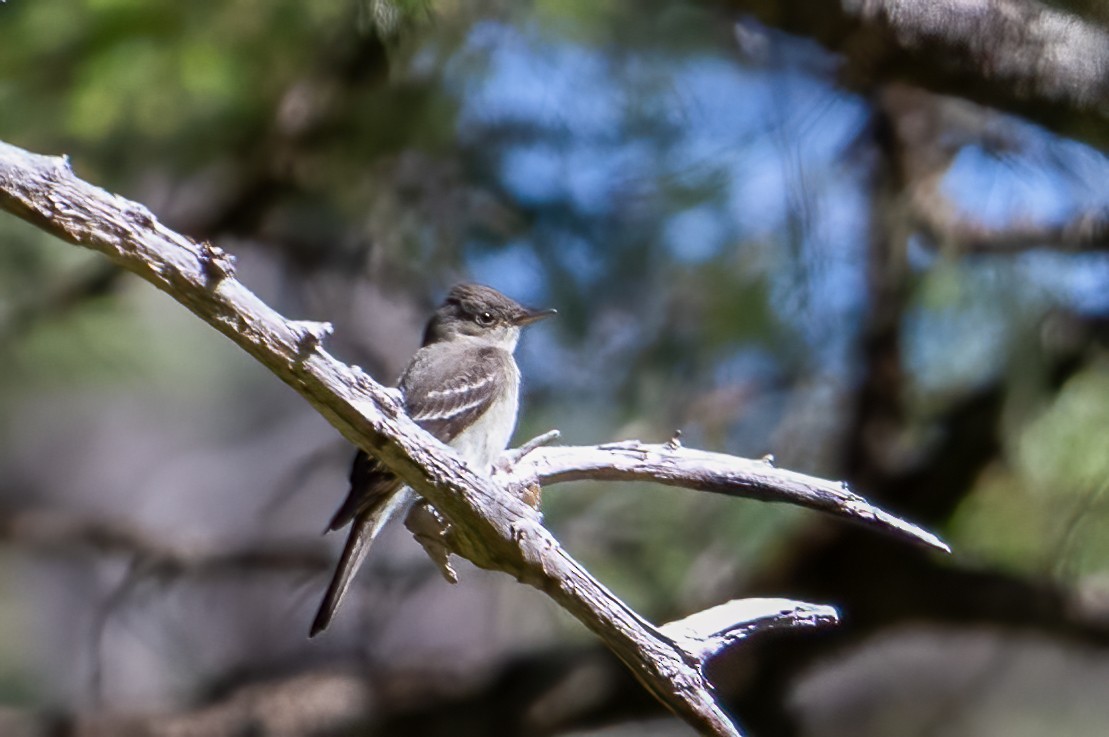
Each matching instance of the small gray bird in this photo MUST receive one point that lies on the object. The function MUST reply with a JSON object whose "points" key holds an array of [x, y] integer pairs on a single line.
{"points": [[462, 386]]}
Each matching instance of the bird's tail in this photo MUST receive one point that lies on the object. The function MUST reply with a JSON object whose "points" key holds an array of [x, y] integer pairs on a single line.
{"points": [[364, 529]]}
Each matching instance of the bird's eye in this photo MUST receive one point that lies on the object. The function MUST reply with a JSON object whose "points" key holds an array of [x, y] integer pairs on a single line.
{"points": [[484, 318]]}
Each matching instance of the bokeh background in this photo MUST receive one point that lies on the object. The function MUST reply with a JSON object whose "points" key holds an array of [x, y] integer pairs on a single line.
{"points": [[791, 228]]}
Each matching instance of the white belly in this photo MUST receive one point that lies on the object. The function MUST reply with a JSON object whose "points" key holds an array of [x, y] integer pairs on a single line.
{"points": [[483, 442]]}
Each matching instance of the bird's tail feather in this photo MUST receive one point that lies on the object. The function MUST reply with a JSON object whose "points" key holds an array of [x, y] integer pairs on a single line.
{"points": [[364, 529]]}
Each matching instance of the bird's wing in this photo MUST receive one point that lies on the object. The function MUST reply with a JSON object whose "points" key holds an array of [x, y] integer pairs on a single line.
{"points": [[444, 406], [450, 402]]}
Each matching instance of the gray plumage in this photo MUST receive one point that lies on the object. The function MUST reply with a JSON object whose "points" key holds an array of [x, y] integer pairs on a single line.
{"points": [[462, 386]]}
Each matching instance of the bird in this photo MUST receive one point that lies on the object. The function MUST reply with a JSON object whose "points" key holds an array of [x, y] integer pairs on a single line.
{"points": [[462, 386]]}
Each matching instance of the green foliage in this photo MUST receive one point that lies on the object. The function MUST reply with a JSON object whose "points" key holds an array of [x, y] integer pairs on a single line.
{"points": [[1066, 450], [1048, 512], [122, 81]]}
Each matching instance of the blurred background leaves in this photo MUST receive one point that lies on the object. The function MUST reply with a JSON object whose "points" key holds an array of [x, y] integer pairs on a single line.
{"points": [[746, 237]]}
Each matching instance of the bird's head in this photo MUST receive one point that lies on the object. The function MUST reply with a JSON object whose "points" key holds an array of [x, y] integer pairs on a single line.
{"points": [[479, 311]]}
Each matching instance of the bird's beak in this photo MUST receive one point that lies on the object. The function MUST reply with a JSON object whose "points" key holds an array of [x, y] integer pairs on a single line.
{"points": [[528, 316]]}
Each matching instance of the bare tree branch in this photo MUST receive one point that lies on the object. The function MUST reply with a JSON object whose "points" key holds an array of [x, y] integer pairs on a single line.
{"points": [[1021, 56], [1085, 232], [927, 134], [483, 523], [674, 465], [713, 630]]}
